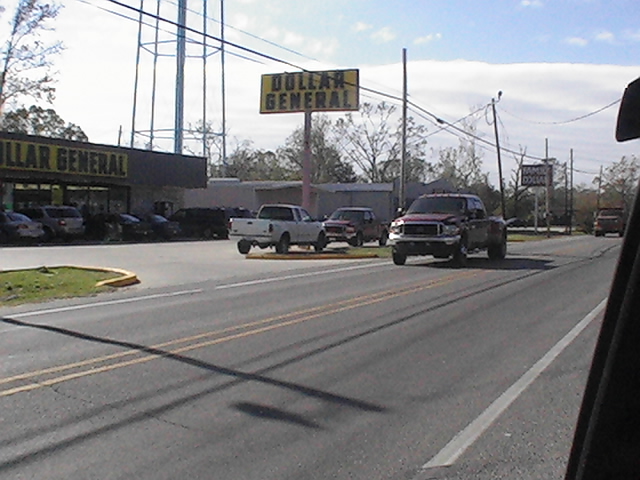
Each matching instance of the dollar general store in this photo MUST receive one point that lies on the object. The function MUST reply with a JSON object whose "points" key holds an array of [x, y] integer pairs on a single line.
{"points": [[46, 171]]}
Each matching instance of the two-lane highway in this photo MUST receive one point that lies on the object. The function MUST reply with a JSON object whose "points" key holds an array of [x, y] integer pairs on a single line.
{"points": [[289, 370]]}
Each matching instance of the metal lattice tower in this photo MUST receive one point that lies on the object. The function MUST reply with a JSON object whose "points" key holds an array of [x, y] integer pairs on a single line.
{"points": [[173, 45]]}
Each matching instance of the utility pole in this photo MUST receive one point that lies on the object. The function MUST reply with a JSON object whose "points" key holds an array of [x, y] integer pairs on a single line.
{"points": [[571, 196], [495, 129], [566, 197], [599, 189], [403, 160], [548, 185]]}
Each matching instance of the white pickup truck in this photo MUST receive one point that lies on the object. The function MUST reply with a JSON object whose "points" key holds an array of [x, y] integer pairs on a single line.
{"points": [[278, 226]]}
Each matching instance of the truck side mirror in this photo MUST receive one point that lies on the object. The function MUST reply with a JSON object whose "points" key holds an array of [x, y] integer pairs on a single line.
{"points": [[628, 126]]}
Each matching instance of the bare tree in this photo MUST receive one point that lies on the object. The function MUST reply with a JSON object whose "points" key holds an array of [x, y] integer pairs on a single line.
{"points": [[462, 165], [26, 58], [518, 192], [619, 181], [327, 165], [38, 121], [373, 144]]}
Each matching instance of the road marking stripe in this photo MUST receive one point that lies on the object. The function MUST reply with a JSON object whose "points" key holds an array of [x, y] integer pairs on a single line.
{"points": [[299, 275], [103, 304], [464, 439], [307, 314]]}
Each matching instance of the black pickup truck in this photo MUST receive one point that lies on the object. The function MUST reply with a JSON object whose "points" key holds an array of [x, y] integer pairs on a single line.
{"points": [[447, 225]]}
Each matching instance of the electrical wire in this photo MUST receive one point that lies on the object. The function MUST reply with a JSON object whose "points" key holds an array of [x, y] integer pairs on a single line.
{"points": [[564, 122]]}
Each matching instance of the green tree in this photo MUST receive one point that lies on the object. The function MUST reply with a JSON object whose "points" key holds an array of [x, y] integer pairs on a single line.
{"points": [[326, 164], [373, 144], [39, 121], [25, 58], [246, 163]]}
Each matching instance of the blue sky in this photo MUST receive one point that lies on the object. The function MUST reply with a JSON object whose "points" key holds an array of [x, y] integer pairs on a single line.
{"points": [[494, 31], [558, 62]]}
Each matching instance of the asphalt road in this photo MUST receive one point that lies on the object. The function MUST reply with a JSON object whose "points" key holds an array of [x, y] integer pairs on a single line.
{"points": [[219, 367]]}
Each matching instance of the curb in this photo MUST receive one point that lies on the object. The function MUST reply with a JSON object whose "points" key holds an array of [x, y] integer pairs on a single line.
{"points": [[309, 256], [125, 279]]}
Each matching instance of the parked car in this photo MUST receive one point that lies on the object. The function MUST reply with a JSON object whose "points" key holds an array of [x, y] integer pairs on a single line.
{"points": [[64, 222], [119, 226], [16, 227], [201, 222], [162, 227]]}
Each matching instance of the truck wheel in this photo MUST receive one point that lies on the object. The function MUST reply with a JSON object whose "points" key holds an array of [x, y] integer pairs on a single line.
{"points": [[498, 251], [320, 243], [459, 257], [399, 258], [382, 241], [283, 244], [244, 246]]}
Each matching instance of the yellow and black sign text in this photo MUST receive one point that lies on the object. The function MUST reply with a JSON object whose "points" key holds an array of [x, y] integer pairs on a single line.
{"points": [[16, 155], [334, 90]]}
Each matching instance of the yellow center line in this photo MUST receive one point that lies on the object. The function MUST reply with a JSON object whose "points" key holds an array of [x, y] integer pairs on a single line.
{"points": [[300, 316]]}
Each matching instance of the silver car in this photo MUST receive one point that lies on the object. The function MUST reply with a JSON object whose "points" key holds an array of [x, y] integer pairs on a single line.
{"points": [[62, 222]]}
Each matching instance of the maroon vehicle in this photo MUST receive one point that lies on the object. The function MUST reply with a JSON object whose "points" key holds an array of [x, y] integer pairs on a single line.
{"points": [[447, 225], [355, 225]]}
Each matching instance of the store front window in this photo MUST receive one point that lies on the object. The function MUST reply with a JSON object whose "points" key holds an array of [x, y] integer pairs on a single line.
{"points": [[88, 199]]}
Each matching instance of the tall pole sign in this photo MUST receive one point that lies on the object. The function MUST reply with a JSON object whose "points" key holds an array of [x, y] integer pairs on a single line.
{"points": [[307, 92]]}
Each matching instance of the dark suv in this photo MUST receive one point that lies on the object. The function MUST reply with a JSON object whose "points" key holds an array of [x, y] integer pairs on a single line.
{"points": [[200, 222]]}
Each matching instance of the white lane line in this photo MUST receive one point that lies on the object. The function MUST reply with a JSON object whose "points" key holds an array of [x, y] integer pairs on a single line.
{"points": [[464, 439], [102, 304], [178, 293], [299, 275]]}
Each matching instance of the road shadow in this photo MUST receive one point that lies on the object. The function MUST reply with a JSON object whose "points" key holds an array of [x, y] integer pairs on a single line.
{"points": [[508, 264], [272, 413]]}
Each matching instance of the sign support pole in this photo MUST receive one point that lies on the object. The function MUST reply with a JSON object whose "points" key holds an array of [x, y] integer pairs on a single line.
{"points": [[306, 163]]}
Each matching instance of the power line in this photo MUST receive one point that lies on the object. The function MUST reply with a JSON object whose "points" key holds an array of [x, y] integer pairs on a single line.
{"points": [[571, 120]]}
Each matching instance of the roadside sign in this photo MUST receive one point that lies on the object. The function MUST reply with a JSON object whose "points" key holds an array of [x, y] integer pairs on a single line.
{"points": [[536, 175], [326, 91]]}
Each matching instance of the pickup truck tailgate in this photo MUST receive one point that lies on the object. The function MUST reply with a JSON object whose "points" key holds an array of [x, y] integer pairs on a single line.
{"points": [[250, 227]]}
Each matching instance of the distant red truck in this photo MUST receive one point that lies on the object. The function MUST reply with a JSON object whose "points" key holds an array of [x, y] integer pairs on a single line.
{"points": [[355, 225], [610, 220]]}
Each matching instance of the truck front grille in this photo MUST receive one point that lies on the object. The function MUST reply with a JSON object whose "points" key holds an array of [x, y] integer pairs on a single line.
{"points": [[422, 229]]}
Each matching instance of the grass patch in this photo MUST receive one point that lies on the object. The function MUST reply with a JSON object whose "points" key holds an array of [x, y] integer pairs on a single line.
{"points": [[42, 284]]}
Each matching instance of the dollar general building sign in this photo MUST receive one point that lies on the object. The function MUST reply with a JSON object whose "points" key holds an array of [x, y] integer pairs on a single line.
{"points": [[333, 90]]}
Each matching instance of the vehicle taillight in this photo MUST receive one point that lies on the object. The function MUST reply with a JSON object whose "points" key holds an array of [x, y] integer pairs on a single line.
{"points": [[62, 223]]}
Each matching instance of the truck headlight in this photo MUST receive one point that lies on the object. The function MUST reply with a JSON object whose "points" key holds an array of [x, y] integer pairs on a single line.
{"points": [[450, 230], [395, 228]]}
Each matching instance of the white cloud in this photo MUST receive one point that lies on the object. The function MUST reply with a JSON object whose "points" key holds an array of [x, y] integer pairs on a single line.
{"points": [[577, 41], [531, 3], [633, 35], [383, 35], [427, 38], [291, 39], [605, 36], [361, 27]]}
